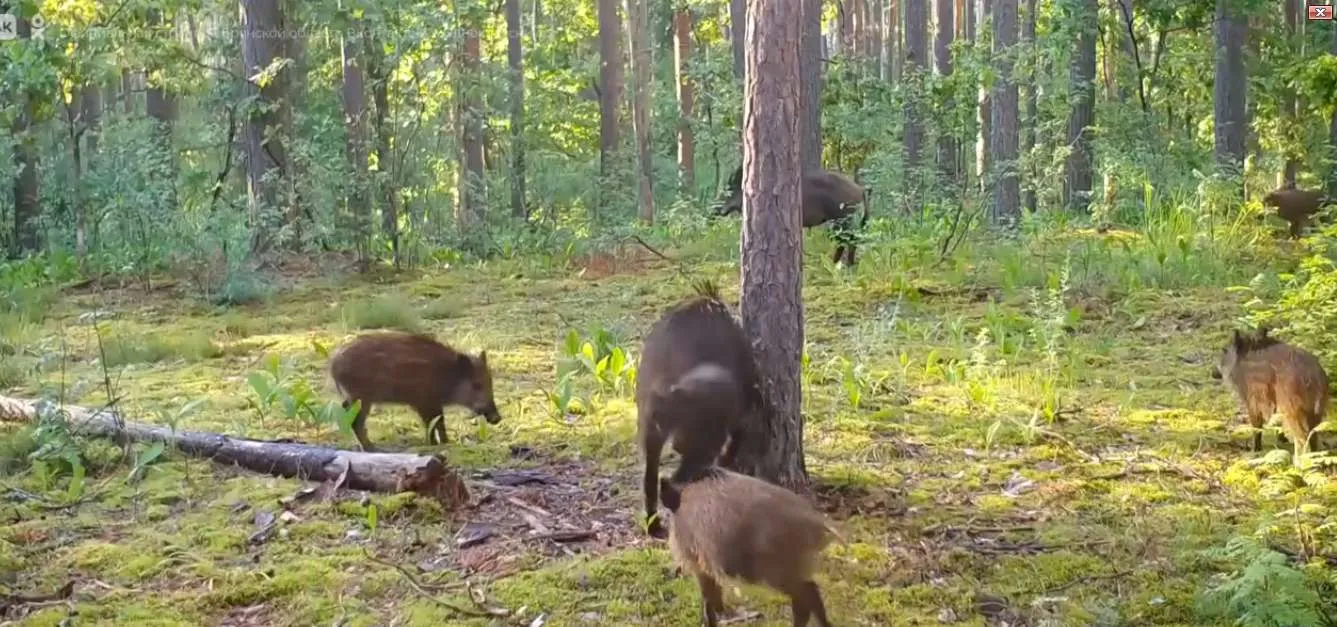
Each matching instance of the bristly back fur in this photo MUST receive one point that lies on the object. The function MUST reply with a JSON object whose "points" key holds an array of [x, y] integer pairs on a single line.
{"points": [[707, 288]]}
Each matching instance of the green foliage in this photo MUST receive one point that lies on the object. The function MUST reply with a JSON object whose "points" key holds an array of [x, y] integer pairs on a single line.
{"points": [[1303, 311], [297, 401], [1261, 590], [385, 312], [599, 355]]}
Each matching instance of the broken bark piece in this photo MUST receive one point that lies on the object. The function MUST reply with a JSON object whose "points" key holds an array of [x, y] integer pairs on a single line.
{"points": [[375, 472], [473, 534]]}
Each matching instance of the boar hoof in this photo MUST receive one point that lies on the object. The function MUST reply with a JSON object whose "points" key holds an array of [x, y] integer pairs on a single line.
{"points": [[657, 530]]}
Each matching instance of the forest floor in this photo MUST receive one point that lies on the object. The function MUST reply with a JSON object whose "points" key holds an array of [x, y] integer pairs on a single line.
{"points": [[1069, 466]]}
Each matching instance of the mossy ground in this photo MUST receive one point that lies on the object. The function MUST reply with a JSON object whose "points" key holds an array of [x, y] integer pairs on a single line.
{"points": [[1070, 465]]}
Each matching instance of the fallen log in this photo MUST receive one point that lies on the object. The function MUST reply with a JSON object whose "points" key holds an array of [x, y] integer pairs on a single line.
{"points": [[376, 472]]}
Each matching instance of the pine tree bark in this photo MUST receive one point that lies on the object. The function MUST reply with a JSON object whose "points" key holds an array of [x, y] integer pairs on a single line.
{"points": [[682, 31], [610, 92], [772, 245], [1082, 77], [1332, 130], [27, 200], [942, 52], [1229, 88], [160, 105], [355, 147], [379, 75], [638, 37], [515, 63], [894, 41], [1003, 136]]}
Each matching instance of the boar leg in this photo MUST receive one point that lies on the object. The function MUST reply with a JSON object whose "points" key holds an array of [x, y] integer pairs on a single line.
{"points": [[712, 599], [360, 424], [434, 422], [1256, 421], [652, 443], [806, 602]]}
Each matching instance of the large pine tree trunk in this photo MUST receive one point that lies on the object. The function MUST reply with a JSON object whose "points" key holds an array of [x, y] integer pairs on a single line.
{"points": [[473, 194], [1082, 77], [772, 243], [1228, 92], [894, 40], [266, 158], [295, 172], [917, 62], [1003, 136], [355, 147], [610, 91], [682, 31], [1332, 131], [638, 37], [942, 53], [810, 84], [515, 64]]}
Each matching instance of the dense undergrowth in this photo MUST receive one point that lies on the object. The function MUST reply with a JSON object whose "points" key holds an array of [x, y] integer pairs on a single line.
{"points": [[1023, 430]]}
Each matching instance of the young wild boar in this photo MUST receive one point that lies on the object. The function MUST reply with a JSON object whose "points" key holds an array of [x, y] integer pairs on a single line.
{"points": [[730, 525], [1295, 206], [1270, 376], [696, 384], [413, 370], [827, 197]]}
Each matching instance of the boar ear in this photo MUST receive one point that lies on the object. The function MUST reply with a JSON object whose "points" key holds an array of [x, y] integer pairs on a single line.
{"points": [[463, 364], [1238, 340], [482, 358]]}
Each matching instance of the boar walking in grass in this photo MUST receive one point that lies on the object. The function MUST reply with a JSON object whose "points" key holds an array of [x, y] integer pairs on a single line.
{"points": [[413, 370], [696, 385], [1295, 206], [727, 525], [827, 197], [1271, 376]]}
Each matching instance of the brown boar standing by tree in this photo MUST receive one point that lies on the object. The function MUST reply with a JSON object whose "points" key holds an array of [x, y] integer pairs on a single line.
{"points": [[1295, 206], [827, 197], [1271, 376], [413, 370], [727, 525], [695, 386]]}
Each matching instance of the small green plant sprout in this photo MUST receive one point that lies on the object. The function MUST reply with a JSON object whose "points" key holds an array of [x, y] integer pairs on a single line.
{"points": [[601, 356], [149, 455], [276, 385], [58, 451], [561, 397], [857, 383]]}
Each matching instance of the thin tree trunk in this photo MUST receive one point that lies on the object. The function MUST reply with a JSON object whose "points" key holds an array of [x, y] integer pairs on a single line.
{"points": [[127, 91], [810, 84], [161, 106], [1332, 130], [1229, 88], [379, 74], [610, 92], [943, 56], [266, 158], [738, 33], [772, 244], [1032, 105], [917, 62], [682, 29], [27, 200], [355, 147], [875, 47], [296, 168], [638, 38], [469, 214], [894, 41], [1003, 136], [985, 115], [515, 63], [1291, 101], [91, 117], [1078, 179]]}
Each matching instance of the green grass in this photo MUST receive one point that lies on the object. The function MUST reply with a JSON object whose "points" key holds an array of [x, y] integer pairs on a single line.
{"points": [[999, 432]]}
